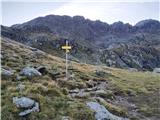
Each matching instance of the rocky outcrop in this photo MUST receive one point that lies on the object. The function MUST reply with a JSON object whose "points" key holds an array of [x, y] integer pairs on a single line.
{"points": [[101, 113]]}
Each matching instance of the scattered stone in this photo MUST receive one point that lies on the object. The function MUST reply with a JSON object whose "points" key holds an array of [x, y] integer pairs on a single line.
{"points": [[74, 91], [28, 111], [36, 107], [65, 118], [91, 83], [18, 77], [102, 85], [6, 73], [42, 70], [30, 72], [90, 89], [156, 70], [132, 69], [101, 93], [20, 87], [23, 102], [1, 57], [39, 53], [102, 113], [72, 76], [80, 94], [25, 112]]}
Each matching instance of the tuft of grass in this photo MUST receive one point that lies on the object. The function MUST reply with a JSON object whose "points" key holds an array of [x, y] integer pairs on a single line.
{"points": [[79, 111]]}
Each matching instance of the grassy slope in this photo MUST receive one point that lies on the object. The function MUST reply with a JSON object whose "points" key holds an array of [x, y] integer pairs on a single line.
{"points": [[54, 99]]}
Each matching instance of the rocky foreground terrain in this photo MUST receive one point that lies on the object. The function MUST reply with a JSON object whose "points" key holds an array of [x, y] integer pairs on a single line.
{"points": [[117, 45], [33, 87]]}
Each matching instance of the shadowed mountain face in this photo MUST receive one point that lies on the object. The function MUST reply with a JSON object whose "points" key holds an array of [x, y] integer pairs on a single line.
{"points": [[119, 45]]}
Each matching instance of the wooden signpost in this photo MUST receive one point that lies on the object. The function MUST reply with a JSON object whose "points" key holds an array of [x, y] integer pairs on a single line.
{"points": [[67, 48]]}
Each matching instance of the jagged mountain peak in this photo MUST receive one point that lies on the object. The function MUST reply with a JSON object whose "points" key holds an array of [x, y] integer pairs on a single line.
{"points": [[147, 22], [54, 22], [148, 25]]}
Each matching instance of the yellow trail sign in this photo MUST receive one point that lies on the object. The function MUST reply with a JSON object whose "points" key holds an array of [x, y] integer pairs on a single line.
{"points": [[66, 47]]}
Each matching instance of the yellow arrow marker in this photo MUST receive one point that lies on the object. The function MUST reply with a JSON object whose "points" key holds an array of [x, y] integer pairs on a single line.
{"points": [[66, 47]]}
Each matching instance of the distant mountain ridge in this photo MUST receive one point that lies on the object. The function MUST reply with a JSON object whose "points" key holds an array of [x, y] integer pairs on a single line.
{"points": [[95, 42]]}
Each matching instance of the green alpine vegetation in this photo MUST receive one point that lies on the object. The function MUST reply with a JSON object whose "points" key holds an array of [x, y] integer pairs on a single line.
{"points": [[124, 93]]}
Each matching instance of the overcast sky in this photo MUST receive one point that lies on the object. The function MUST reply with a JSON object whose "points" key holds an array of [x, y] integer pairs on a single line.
{"points": [[128, 11]]}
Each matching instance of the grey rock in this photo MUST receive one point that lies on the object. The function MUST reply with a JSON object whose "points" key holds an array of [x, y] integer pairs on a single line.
{"points": [[132, 69], [65, 118], [90, 89], [156, 70], [21, 77], [23, 102], [25, 112], [1, 57], [28, 111], [30, 72], [18, 77], [74, 91], [100, 92], [36, 107], [101, 113], [6, 73], [20, 87]]}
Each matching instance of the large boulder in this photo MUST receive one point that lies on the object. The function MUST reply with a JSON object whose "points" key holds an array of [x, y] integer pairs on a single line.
{"points": [[101, 113], [23, 102], [27, 103], [30, 72]]}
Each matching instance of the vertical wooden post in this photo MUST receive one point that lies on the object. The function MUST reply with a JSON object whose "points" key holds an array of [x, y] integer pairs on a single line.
{"points": [[67, 48]]}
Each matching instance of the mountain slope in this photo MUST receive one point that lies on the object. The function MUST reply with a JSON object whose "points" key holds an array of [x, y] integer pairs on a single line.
{"points": [[124, 93], [93, 42]]}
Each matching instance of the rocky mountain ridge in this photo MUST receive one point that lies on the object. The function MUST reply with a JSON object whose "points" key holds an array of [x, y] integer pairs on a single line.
{"points": [[95, 42]]}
